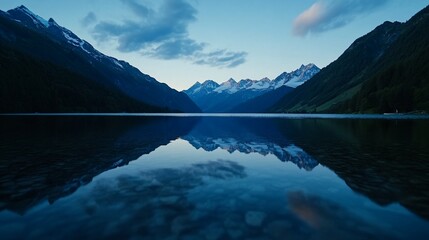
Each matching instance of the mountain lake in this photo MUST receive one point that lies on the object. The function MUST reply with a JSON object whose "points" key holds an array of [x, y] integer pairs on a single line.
{"points": [[221, 176]]}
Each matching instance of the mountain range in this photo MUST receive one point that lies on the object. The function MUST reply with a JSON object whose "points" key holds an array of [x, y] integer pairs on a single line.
{"points": [[387, 70], [232, 96], [47, 68], [248, 136]]}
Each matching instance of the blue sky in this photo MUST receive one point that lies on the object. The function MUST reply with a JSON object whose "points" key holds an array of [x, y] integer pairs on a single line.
{"points": [[180, 42]]}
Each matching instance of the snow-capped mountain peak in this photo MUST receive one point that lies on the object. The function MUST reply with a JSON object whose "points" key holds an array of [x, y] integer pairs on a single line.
{"points": [[210, 84], [25, 16], [231, 81], [202, 88], [52, 22], [43, 41], [213, 97], [292, 79], [197, 84], [263, 84], [297, 77], [196, 87], [61, 34], [30, 16], [230, 86]]}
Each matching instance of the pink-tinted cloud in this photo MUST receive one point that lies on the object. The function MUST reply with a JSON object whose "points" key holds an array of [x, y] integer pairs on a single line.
{"points": [[326, 15]]}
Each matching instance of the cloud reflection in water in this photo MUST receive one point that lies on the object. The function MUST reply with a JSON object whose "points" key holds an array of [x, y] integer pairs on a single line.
{"points": [[156, 202], [329, 220]]}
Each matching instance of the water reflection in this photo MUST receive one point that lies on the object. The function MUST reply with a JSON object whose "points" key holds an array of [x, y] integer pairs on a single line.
{"points": [[46, 158], [248, 136], [156, 201], [329, 220], [200, 195], [386, 161]]}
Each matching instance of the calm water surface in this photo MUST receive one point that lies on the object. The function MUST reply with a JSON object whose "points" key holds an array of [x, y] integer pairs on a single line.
{"points": [[189, 177]]}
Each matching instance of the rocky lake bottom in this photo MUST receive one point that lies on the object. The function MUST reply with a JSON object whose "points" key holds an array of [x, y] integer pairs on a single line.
{"points": [[189, 177]]}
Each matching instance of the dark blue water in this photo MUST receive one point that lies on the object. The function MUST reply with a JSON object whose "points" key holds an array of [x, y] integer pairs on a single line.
{"points": [[223, 177]]}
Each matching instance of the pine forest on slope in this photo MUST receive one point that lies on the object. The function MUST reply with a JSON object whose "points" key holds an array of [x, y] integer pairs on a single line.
{"points": [[386, 70], [47, 68]]}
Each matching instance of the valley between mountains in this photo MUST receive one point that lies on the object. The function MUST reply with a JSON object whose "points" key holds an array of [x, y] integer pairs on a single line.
{"points": [[44, 67]]}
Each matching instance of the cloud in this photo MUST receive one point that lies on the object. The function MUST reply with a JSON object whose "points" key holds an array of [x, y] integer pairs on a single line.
{"points": [[163, 33], [90, 19], [325, 15], [177, 48], [222, 58]]}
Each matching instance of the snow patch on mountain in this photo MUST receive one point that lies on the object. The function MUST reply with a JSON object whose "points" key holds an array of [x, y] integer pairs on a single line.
{"points": [[77, 42], [292, 79], [296, 78], [36, 18], [294, 82], [117, 63], [293, 150], [82, 43], [288, 153], [264, 83], [202, 88], [229, 86], [72, 40]]}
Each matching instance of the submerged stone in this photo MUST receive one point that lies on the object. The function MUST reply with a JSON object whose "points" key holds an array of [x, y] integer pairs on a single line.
{"points": [[234, 226], [214, 232], [170, 200], [255, 218], [278, 229], [181, 224], [191, 237]]}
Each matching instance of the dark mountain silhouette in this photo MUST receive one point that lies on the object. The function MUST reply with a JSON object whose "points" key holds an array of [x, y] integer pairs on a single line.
{"points": [[385, 161], [47, 68], [385, 70], [262, 103], [47, 158]]}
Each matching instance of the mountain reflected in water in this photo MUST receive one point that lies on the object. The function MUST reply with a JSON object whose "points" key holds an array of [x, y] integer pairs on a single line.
{"points": [[248, 136], [46, 158], [386, 161], [213, 178]]}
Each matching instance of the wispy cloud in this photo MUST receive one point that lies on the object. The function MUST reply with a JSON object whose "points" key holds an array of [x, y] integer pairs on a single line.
{"points": [[326, 15], [163, 33], [222, 58], [89, 19]]}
